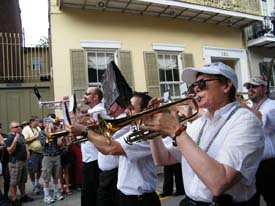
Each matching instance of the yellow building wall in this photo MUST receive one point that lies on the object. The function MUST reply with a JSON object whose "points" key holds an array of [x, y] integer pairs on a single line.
{"points": [[136, 33]]}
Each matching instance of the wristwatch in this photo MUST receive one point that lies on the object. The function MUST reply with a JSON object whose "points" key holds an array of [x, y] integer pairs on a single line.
{"points": [[84, 134]]}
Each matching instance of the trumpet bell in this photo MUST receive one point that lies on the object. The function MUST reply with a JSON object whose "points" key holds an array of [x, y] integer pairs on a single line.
{"points": [[51, 136]]}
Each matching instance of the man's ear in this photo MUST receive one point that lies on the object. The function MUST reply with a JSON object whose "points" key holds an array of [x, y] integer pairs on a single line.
{"points": [[228, 86]]}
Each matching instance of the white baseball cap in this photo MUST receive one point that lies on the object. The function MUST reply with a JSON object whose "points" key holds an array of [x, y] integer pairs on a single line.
{"points": [[257, 80], [189, 74]]}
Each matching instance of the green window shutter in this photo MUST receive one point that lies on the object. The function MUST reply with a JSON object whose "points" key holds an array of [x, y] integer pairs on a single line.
{"points": [[152, 74], [187, 60], [126, 66], [79, 72]]}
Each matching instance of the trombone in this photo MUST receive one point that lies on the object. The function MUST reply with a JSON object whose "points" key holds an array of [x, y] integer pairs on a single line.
{"points": [[56, 104], [107, 127]]}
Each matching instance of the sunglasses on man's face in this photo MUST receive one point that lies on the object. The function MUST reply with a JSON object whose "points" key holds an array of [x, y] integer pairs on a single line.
{"points": [[201, 84], [252, 86], [16, 127]]}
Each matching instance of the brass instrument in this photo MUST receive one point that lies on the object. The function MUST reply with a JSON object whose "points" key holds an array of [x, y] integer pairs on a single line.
{"points": [[107, 127], [240, 97], [141, 135]]}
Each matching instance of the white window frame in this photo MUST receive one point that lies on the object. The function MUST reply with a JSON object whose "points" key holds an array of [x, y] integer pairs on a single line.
{"points": [[99, 46], [171, 49]]}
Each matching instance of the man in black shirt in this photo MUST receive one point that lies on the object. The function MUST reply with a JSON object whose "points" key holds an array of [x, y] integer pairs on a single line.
{"points": [[19, 154]]}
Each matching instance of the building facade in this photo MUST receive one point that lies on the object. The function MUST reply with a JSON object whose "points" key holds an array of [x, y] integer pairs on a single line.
{"points": [[151, 41]]}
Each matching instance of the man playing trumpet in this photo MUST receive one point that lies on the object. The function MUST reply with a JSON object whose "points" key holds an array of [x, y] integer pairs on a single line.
{"points": [[220, 151], [137, 175]]}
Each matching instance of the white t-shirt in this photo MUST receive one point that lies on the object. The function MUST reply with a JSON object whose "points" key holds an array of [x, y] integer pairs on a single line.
{"points": [[109, 162], [88, 149], [239, 144], [267, 110], [137, 172]]}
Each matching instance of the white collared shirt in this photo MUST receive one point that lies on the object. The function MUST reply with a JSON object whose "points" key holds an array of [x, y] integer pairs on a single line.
{"points": [[267, 110], [109, 162], [88, 149], [137, 172], [239, 144]]}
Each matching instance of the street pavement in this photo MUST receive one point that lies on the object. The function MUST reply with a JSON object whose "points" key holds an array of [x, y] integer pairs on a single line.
{"points": [[74, 199]]}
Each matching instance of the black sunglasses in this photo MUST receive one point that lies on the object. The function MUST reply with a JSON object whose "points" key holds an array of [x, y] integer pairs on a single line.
{"points": [[201, 84], [15, 127], [251, 86]]}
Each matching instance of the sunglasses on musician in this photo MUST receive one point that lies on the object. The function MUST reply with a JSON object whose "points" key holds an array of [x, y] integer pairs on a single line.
{"points": [[201, 84], [252, 86]]}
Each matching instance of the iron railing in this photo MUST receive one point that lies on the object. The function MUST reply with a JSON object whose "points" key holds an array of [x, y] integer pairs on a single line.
{"points": [[244, 6], [19, 63], [259, 29]]}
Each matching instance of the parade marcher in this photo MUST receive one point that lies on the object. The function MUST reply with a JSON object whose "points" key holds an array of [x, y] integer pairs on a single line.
{"points": [[31, 134], [265, 178], [117, 96], [169, 172], [137, 176], [90, 170], [19, 154], [220, 151], [51, 164]]}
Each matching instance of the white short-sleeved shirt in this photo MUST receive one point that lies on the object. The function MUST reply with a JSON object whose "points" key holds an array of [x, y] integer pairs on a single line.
{"points": [[267, 110], [137, 172], [109, 162], [239, 144], [88, 149]]}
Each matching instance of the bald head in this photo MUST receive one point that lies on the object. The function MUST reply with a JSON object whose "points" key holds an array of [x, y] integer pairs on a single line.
{"points": [[92, 96]]}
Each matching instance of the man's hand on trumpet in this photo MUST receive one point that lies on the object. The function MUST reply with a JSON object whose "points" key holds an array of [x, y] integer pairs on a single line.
{"points": [[75, 129]]}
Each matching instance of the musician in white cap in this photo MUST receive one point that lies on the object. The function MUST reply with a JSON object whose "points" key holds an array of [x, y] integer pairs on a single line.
{"points": [[257, 88], [220, 151]]}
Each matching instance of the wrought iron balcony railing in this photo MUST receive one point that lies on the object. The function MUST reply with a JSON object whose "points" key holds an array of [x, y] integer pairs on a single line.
{"points": [[22, 64], [244, 6]]}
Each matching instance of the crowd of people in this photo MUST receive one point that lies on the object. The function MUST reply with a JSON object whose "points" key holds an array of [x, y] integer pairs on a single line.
{"points": [[225, 156]]}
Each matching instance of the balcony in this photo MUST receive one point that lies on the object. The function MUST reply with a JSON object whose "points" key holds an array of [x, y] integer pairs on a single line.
{"points": [[20, 64], [261, 34], [233, 13]]}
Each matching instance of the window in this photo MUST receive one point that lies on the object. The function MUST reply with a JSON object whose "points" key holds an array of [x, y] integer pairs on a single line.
{"points": [[97, 64], [36, 64], [169, 75]]}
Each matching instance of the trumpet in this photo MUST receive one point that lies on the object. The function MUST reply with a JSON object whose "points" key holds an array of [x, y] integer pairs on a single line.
{"points": [[107, 127], [240, 97]]}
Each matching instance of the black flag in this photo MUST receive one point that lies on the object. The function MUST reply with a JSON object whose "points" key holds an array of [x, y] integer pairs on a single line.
{"points": [[115, 88]]}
